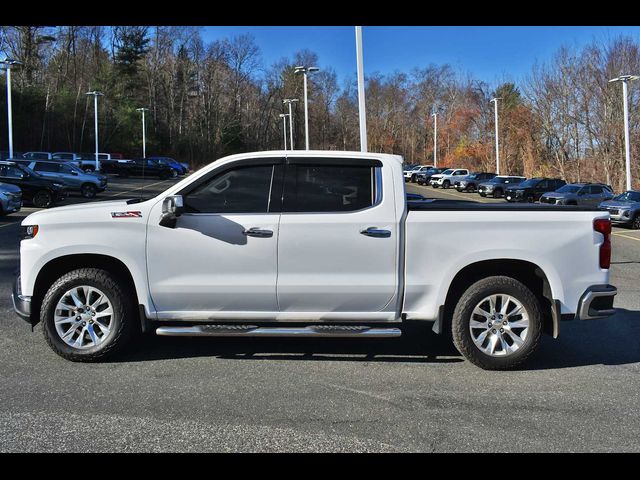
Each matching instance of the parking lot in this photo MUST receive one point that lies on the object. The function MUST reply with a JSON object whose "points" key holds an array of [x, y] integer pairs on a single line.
{"points": [[415, 393]]}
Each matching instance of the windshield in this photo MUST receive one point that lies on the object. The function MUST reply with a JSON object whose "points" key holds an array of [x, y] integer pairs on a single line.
{"points": [[532, 182], [473, 176], [448, 172], [569, 189], [628, 197]]}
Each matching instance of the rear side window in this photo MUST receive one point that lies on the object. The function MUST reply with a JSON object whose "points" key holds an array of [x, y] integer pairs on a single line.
{"points": [[241, 190], [596, 189], [46, 167], [328, 188]]}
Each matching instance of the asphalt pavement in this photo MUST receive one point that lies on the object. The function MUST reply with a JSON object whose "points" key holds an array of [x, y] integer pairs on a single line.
{"points": [[414, 393]]}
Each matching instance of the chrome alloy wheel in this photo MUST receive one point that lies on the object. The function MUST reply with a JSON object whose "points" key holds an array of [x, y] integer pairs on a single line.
{"points": [[499, 325], [83, 317]]}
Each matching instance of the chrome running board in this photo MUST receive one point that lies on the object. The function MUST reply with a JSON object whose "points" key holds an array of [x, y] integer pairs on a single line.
{"points": [[335, 331]]}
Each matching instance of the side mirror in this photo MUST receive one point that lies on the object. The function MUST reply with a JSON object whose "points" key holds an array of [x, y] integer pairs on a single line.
{"points": [[73, 172], [172, 208]]}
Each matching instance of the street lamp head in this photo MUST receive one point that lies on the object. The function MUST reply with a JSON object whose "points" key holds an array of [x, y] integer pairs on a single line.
{"points": [[283, 115], [495, 99], [624, 78], [142, 109], [303, 69], [8, 63], [289, 100], [95, 93]]}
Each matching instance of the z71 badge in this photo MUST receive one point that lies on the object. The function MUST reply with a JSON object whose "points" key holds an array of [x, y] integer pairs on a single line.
{"points": [[126, 214]]}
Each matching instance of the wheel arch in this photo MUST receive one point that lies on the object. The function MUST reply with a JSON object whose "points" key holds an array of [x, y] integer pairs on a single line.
{"points": [[524, 271], [58, 266]]}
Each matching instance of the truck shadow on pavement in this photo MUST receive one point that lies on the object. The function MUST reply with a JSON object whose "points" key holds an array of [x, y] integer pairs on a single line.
{"points": [[612, 341]]}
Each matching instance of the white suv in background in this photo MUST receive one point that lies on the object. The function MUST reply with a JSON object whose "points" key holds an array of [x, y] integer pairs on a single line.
{"points": [[448, 177]]}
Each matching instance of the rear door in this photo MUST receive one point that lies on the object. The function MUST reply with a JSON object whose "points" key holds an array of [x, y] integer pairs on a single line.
{"points": [[338, 245]]}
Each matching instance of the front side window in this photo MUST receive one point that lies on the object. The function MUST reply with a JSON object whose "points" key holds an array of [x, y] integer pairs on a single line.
{"points": [[328, 188], [46, 167], [241, 190], [9, 171]]}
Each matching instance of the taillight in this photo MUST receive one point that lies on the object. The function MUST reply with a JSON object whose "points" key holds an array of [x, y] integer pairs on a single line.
{"points": [[603, 226]]}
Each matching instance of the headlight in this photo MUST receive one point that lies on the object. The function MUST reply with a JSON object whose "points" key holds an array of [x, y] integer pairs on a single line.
{"points": [[58, 185], [4, 194], [28, 231], [625, 213]]}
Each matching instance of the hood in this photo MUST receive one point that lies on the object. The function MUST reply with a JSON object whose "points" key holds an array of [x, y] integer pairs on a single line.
{"points": [[619, 204], [86, 212], [8, 187]]}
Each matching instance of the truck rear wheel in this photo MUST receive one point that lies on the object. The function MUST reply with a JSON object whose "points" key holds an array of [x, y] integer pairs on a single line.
{"points": [[86, 315], [497, 323]]}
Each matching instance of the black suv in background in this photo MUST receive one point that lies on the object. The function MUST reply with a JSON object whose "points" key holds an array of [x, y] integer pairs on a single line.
{"points": [[146, 168], [36, 189], [531, 190], [423, 177]]}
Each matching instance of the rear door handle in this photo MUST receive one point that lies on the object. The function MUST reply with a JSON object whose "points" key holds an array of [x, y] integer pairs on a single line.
{"points": [[376, 232], [257, 232]]}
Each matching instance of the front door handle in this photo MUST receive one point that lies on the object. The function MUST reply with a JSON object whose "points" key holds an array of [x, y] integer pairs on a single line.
{"points": [[376, 232], [257, 232]]}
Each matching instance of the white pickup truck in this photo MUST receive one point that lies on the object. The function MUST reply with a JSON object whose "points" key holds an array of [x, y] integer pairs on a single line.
{"points": [[307, 244]]}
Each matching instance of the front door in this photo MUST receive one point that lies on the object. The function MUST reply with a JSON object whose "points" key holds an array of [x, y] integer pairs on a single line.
{"points": [[339, 237], [221, 257]]}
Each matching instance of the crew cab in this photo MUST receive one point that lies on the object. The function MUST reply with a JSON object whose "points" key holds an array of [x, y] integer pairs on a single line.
{"points": [[36, 190], [311, 244], [146, 168]]}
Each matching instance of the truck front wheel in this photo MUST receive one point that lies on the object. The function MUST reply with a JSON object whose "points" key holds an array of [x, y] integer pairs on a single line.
{"points": [[497, 323], [86, 315]]}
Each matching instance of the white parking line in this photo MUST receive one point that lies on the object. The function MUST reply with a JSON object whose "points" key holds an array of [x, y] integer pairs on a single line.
{"points": [[626, 236], [139, 188]]}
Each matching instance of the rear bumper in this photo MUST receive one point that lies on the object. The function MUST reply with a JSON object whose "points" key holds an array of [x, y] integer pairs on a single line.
{"points": [[596, 302], [21, 303]]}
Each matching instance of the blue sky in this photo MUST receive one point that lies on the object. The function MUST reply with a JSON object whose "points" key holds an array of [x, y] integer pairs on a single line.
{"points": [[492, 54]]}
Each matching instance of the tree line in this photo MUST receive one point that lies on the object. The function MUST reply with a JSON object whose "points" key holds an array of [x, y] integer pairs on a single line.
{"points": [[210, 99]]}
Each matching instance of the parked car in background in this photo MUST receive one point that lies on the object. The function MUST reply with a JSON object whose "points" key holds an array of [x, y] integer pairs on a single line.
{"points": [[10, 198], [497, 185], [37, 190], [424, 176], [410, 175], [37, 155], [70, 175], [146, 167], [448, 177], [624, 209], [470, 182], [65, 156], [181, 170], [531, 190], [591, 194]]}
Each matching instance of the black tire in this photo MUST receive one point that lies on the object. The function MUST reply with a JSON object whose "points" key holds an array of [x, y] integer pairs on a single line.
{"points": [[88, 190], [123, 173], [88, 169], [413, 178], [164, 175], [497, 193], [483, 195], [434, 185], [122, 320], [173, 173], [446, 184], [530, 199], [42, 199], [463, 313], [635, 223]]}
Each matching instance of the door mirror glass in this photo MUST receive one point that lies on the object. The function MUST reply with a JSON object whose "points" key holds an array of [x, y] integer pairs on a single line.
{"points": [[172, 208]]}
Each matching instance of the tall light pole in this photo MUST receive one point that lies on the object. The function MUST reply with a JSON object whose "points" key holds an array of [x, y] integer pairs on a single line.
{"points": [[625, 79], [96, 94], [289, 101], [362, 112], [6, 64], [144, 132], [284, 116], [306, 70], [435, 138], [495, 103]]}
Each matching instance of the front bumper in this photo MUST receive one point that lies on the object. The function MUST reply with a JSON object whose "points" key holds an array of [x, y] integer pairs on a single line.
{"points": [[596, 302], [21, 303]]}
